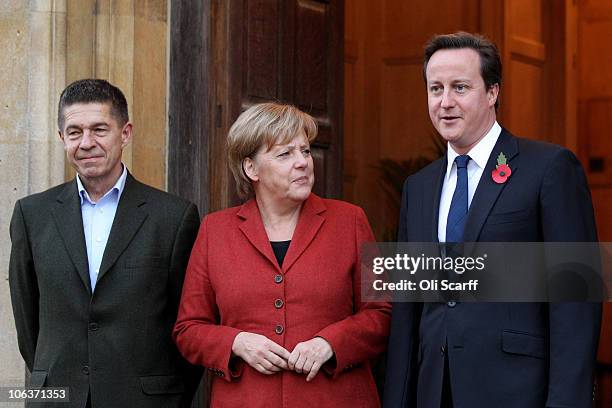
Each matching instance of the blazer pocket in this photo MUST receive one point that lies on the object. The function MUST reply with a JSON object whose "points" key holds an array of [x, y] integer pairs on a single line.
{"points": [[507, 217], [162, 384], [144, 263], [524, 344], [38, 379]]}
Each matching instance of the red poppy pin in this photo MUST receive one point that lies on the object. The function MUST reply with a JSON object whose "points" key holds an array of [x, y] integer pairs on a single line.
{"points": [[502, 170]]}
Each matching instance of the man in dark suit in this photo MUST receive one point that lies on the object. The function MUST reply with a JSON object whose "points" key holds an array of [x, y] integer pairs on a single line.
{"points": [[97, 267], [471, 355]]}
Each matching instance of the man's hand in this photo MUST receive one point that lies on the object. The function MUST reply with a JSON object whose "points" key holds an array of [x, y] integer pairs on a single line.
{"points": [[308, 357], [261, 353]]}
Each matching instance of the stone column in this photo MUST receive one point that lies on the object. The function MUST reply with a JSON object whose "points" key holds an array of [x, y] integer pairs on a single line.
{"points": [[32, 37]]}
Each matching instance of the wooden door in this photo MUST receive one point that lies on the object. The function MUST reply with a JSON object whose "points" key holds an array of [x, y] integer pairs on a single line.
{"points": [[227, 55], [594, 96], [283, 51], [386, 103], [538, 47]]}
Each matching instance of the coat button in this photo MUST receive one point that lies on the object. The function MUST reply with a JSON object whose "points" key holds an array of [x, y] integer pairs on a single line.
{"points": [[85, 370], [278, 278], [279, 329], [452, 303], [443, 350], [93, 326], [278, 303]]}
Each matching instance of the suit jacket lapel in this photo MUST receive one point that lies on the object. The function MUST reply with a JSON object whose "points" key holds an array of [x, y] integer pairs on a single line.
{"points": [[253, 229], [487, 191], [432, 191], [130, 215], [69, 222], [309, 223]]}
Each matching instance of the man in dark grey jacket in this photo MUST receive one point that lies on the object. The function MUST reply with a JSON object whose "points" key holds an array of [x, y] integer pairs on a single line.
{"points": [[97, 267]]}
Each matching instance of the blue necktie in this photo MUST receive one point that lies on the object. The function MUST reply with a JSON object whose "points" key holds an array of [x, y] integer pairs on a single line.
{"points": [[457, 213]]}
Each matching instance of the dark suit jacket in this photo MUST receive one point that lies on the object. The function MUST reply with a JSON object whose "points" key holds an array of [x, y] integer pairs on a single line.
{"points": [[500, 354], [116, 343]]}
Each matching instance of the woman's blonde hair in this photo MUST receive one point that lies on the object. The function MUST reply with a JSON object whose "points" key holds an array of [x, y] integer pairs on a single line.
{"points": [[264, 124]]}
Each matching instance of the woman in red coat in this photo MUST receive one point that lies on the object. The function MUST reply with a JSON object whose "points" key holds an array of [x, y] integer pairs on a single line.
{"points": [[271, 302]]}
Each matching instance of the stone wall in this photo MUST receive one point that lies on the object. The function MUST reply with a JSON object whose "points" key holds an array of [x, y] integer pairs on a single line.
{"points": [[47, 44], [31, 158]]}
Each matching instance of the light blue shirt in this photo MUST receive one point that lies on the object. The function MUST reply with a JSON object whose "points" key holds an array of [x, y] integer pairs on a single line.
{"points": [[97, 222]]}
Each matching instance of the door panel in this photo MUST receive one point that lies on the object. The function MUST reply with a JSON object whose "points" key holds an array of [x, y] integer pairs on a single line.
{"points": [[289, 52], [524, 58], [385, 94]]}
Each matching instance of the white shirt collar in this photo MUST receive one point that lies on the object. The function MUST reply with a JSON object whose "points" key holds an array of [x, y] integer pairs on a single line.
{"points": [[480, 153], [119, 186]]}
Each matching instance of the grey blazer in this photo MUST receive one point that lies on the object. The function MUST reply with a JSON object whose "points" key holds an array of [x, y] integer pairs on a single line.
{"points": [[115, 344]]}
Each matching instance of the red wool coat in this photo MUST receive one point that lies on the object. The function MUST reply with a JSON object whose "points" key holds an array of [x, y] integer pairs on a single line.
{"points": [[234, 284]]}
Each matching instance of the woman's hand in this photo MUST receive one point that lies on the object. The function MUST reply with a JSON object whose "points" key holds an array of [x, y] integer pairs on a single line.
{"points": [[261, 353], [308, 357]]}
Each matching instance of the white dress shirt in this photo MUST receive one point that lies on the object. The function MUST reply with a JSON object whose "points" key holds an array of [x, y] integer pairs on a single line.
{"points": [[479, 155], [98, 219]]}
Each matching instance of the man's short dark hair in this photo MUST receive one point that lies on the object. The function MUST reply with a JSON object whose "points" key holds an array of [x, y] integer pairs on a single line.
{"points": [[93, 91], [490, 61]]}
